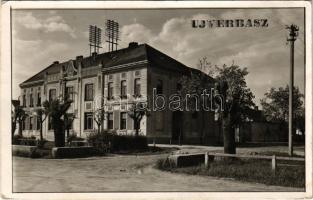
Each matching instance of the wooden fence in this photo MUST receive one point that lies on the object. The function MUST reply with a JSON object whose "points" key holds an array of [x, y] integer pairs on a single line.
{"points": [[259, 157]]}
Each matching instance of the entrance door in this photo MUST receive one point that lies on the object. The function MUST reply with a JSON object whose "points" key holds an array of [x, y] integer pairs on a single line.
{"points": [[177, 127]]}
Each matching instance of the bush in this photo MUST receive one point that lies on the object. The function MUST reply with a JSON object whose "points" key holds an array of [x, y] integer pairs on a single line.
{"points": [[41, 143], [74, 137], [165, 164], [28, 142], [101, 141], [129, 142], [106, 140], [27, 151], [16, 139]]}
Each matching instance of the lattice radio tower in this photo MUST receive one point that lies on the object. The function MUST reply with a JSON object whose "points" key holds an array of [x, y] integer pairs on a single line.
{"points": [[94, 38], [112, 34]]}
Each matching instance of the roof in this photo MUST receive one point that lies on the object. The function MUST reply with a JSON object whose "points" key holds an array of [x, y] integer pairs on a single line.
{"points": [[133, 53]]}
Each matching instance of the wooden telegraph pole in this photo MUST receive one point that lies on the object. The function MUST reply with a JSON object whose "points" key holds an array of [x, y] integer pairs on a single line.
{"points": [[293, 33]]}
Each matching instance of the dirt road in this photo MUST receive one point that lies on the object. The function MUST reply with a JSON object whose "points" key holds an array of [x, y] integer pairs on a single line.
{"points": [[116, 173]]}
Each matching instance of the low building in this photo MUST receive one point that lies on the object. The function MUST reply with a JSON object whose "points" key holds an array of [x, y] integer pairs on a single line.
{"points": [[117, 79]]}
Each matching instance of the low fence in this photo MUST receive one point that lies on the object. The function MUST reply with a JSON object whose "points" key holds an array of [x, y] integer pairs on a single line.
{"points": [[183, 160], [273, 158]]}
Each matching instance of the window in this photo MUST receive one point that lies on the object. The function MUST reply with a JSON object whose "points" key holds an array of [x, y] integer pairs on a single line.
{"points": [[123, 75], [52, 94], [31, 100], [70, 92], [89, 92], [38, 123], [110, 120], [110, 90], [110, 77], [38, 99], [137, 87], [123, 89], [88, 121], [24, 100], [30, 123], [159, 87], [123, 121]]}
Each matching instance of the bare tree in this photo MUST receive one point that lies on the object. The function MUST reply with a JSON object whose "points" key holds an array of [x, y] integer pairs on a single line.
{"points": [[137, 111]]}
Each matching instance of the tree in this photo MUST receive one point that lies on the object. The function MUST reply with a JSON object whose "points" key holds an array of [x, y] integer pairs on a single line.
{"points": [[98, 116], [230, 83], [57, 110], [137, 111], [18, 116], [237, 101], [42, 114], [275, 106]]}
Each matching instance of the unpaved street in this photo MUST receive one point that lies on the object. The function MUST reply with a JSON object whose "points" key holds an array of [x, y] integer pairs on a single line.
{"points": [[116, 173]]}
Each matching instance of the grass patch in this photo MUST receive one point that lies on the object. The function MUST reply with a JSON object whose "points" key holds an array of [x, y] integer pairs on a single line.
{"points": [[277, 153], [244, 170]]}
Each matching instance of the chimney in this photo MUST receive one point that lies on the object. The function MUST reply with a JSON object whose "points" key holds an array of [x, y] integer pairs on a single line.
{"points": [[56, 62], [133, 44]]}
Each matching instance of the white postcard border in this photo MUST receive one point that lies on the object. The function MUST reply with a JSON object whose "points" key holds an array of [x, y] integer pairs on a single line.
{"points": [[5, 104]]}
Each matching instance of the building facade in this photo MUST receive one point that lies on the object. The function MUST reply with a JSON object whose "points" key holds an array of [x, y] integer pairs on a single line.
{"points": [[116, 80]]}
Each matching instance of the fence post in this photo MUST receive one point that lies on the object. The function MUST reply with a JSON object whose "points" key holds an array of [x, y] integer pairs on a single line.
{"points": [[274, 164], [206, 159]]}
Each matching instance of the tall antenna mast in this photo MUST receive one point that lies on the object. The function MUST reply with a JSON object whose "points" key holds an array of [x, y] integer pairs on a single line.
{"points": [[112, 34], [94, 39]]}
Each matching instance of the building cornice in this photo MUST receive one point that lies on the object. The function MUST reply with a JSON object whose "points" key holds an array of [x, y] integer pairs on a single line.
{"points": [[31, 83], [123, 66]]}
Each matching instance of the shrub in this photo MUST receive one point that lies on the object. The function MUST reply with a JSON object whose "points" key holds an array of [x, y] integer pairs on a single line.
{"points": [[107, 140], [129, 142], [101, 141], [74, 137], [16, 139], [165, 164], [41, 143], [27, 151]]}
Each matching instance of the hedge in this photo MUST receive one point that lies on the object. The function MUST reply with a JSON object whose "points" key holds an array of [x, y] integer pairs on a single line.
{"points": [[109, 141]]}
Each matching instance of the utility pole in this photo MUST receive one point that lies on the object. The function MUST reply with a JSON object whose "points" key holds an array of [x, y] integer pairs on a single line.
{"points": [[293, 33]]}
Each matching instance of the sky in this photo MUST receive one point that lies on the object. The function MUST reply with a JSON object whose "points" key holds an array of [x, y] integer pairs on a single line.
{"points": [[40, 37]]}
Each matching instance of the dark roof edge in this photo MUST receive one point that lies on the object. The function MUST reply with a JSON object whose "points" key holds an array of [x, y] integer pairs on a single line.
{"points": [[26, 81], [178, 62]]}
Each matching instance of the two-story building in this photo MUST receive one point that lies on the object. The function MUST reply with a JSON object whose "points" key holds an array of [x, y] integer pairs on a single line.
{"points": [[116, 80]]}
